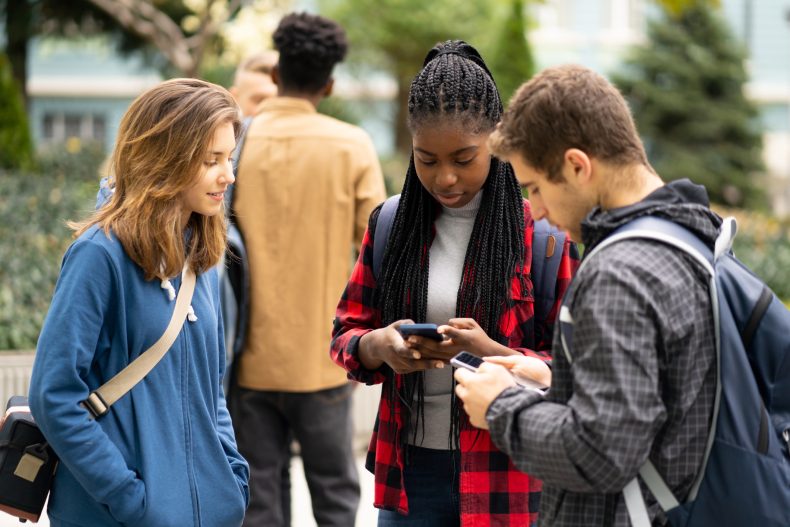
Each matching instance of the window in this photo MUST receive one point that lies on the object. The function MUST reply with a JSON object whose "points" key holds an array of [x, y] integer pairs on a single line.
{"points": [[48, 127], [73, 125], [99, 128], [58, 127], [625, 16]]}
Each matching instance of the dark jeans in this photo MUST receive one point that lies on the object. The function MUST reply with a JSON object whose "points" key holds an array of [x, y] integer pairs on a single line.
{"points": [[285, 473], [431, 478], [321, 423]]}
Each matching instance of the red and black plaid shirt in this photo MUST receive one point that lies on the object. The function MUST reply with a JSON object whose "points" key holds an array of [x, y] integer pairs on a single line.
{"points": [[493, 492]]}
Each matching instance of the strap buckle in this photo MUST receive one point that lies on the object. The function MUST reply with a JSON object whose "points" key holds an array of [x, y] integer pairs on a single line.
{"points": [[95, 405]]}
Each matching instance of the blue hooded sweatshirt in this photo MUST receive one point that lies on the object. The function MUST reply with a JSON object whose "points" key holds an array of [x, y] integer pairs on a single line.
{"points": [[165, 454]]}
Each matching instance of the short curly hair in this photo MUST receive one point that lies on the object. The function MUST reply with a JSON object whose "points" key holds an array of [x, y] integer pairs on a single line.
{"points": [[309, 46]]}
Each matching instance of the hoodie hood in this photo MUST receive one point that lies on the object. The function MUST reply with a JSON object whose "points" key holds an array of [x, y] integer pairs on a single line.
{"points": [[681, 201]]}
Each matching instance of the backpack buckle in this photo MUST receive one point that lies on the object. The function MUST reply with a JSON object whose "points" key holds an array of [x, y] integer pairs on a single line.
{"points": [[96, 405]]}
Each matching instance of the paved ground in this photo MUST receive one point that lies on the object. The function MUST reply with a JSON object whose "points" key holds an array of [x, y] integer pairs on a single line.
{"points": [[301, 510]]}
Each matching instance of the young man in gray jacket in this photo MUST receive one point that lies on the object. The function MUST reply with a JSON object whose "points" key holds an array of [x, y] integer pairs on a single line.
{"points": [[642, 380]]}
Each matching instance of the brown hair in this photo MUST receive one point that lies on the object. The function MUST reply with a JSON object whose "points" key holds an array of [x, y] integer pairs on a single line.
{"points": [[161, 146], [568, 107]]}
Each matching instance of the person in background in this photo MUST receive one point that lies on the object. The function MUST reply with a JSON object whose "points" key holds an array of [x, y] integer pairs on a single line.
{"points": [[252, 85], [252, 82], [458, 255], [165, 453], [643, 376], [306, 185]]}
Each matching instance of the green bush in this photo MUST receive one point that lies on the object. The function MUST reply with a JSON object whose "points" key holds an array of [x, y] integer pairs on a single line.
{"points": [[763, 243], [34, 208], [15, 143]]}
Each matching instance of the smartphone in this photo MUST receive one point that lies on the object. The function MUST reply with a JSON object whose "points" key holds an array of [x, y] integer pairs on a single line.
{"points": [[466, 360], [471, 362], [421, 330]]}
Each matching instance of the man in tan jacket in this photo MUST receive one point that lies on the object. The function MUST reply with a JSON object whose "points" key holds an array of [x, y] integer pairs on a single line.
{"points": [[306, 185]]}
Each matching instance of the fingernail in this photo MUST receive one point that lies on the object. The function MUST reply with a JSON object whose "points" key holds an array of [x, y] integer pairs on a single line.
{"points": [[440, 364], [416, 355]]}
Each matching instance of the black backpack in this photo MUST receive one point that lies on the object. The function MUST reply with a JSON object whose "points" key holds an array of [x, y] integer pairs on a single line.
{"points": [[234, 275]]}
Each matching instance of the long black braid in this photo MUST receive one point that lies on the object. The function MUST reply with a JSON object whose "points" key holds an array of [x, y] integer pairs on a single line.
{"points": [[453, 86]]}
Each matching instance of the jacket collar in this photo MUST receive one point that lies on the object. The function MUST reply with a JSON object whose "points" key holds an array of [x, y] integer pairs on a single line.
{"points": [[285, 104], [681, 201]]}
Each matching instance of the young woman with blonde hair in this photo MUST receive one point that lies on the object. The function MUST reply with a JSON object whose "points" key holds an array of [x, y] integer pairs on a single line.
{"points": [[164, 454]]}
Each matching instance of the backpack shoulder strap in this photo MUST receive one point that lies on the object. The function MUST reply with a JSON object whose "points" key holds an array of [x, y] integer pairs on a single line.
{"points": [[661, 230], [547, 247], [383, 228], [674, 235]]}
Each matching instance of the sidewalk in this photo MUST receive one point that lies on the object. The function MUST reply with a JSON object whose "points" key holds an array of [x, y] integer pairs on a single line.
{"points": [[301, 510]]}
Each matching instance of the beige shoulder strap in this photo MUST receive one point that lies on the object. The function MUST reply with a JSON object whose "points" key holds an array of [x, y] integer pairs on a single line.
{"points": [[99, 401]]}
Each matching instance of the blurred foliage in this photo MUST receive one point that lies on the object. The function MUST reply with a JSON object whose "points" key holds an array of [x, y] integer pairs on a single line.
{"points": [[685, 86], [763, 244], [176, 50], [511, 60], [676, 7], [342, 109], [218, 73], [34, 207], [15, 143], [394, 169], [395, 35]]}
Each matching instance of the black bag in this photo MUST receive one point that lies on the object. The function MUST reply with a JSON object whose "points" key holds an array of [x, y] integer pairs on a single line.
{"points": [[27, 463]]}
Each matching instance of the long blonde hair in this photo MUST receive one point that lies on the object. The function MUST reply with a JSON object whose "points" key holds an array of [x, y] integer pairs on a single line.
{"points": [[159, 154]]}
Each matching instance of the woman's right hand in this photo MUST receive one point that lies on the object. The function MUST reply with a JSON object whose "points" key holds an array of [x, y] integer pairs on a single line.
{"points": [[386, 345]]}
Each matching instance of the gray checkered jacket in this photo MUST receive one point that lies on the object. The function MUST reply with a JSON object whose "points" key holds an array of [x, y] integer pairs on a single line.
{"points": [[642, 381]]}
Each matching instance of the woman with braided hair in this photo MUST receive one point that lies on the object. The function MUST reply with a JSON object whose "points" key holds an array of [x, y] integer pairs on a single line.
{"points": [[459, 255]]}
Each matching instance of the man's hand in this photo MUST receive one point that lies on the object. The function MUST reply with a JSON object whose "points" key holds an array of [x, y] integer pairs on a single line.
{"points": [[525, 367], [479, 389]]}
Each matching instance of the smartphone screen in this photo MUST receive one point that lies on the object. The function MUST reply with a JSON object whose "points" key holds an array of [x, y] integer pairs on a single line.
{"points": [[421, 330], [466, 360]]}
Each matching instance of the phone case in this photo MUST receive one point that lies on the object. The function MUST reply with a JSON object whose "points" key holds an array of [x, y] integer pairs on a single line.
{"points": [[421, 330]]}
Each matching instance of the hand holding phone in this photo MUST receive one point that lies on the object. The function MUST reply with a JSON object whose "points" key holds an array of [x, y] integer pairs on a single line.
{"points": [[421, 330], [471, 362]]}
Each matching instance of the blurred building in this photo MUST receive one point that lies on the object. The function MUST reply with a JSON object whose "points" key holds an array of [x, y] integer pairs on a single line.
{"points": [[597, 33], [80, 88], [764, 27]]}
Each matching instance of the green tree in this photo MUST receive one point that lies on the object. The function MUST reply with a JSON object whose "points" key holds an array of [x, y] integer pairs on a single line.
{"points": [[512, 62], [395, 35], [685, 86], [175, 35], [15, 144]]}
